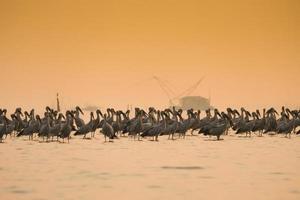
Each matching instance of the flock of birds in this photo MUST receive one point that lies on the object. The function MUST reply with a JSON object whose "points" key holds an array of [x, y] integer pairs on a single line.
{"points": [[56, 126]]}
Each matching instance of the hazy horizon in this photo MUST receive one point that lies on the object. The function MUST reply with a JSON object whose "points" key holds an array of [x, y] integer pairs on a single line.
{"points": [[104, 52]]}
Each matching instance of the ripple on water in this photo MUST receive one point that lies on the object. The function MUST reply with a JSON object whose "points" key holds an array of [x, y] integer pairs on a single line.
{"points": [[130, 175], [78, 159], [295, 191], [90, 175], [19, 191], [277, 173], [107, 186], [206, 177], [183, 167], [154, 186], [16, 190]]}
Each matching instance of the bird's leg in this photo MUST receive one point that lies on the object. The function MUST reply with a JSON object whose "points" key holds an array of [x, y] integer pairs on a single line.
{"points": [[192, 132]]}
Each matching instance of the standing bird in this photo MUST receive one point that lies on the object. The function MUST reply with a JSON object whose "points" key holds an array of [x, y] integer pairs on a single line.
{"points": [[287, 125], [67, 127], [212, 121], [96, 122], [56, 128], [136, 127], [202, 122], [184, 124], [86, 128], [3, 129], [171, 125], [271, 122], [107, 130], [157, 129], [246, 126], [27, 131], [45, 128], [11, 124], [220, 127], [78, 121], [259, 124]]}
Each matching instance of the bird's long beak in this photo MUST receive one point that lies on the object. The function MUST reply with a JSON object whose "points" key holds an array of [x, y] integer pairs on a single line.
{"points": [[80, 110], [21, 113], [258, 113], [48, 109]]}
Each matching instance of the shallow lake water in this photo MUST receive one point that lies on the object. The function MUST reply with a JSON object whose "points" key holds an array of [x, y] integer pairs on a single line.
{"points": [[192, 168]]}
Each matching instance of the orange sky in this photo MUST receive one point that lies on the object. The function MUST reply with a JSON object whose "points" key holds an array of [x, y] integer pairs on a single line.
{"points": [[99, 52]]}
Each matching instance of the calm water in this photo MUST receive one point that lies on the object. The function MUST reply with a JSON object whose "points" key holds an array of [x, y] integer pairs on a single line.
{"points": [[195, 168]]}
